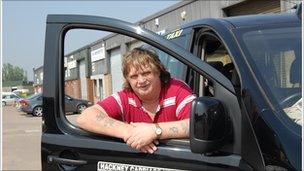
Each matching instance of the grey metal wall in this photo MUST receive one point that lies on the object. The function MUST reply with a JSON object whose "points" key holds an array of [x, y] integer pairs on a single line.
{"points": [[286, 5], [194, 10], [170, 19], [100, 66], [79, 55]]}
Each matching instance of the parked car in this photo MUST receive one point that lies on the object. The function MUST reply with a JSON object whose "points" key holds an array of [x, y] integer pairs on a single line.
{"points": [[28, 104], [242, 126], [33, 104], [9, 98], [75, 105]]}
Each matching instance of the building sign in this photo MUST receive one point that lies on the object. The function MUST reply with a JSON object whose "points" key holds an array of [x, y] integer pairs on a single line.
{"points": [[97, 54], [174, 34], [72, 64]]}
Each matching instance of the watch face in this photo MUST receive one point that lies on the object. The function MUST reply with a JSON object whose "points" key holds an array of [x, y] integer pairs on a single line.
{"points": [[158, 131]]}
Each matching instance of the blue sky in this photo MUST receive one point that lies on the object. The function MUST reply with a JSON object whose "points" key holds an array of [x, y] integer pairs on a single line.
{"points": [[23, 24]]}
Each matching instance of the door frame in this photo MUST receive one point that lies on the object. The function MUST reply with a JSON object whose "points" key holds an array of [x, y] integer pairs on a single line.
{"points": [[55, 122]]}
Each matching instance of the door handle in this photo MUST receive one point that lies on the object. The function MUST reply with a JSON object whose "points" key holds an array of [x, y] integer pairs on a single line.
{"points": [[64, 161]]}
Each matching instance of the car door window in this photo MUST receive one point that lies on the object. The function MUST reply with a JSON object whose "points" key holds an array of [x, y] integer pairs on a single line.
{"points": [[105, 67], [213, 51], [103, 72]]}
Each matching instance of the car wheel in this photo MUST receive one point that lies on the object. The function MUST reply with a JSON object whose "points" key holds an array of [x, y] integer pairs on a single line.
{"points": [[81, 108], [3, 103], [37, 111]]}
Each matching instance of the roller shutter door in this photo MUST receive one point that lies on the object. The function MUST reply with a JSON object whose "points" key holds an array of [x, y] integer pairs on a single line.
{"points": [[117, 77], [253, 7], [83, 80]]}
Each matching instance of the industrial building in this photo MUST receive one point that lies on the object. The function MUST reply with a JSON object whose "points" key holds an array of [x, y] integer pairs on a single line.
{"points": [[93, 71]]}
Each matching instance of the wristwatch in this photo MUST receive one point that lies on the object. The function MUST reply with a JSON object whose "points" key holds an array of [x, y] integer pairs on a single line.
{"points": [[158, 130]]}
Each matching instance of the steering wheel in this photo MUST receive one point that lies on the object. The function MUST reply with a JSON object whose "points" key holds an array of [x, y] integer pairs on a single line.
{"points": [[291, 99]]}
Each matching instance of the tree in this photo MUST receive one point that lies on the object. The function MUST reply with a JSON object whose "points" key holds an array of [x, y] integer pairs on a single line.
{"points": [[12, 73]]}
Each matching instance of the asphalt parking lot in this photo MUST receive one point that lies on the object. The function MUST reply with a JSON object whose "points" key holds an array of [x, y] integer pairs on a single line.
{"points": [[21, 136]]}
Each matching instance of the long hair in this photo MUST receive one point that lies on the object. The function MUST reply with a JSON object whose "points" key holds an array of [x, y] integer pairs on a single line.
{"points": [[140, 57]]}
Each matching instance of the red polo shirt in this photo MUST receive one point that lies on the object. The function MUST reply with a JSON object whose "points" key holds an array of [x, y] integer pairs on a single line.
{"points": [[174, 104]]}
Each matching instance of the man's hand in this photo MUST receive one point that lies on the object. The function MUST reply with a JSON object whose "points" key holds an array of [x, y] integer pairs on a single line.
{"points": [[141, 137], [150, 148]]}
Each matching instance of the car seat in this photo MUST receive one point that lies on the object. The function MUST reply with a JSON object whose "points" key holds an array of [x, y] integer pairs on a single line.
{"points": [[295, 71]]}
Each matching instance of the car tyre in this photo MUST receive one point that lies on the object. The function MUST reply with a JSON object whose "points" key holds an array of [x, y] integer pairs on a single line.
{"points": [[3, 103], [37, 111], [81, 107]]}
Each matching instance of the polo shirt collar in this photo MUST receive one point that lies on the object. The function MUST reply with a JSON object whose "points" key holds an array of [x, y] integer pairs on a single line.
{"points": [[136, 102]]}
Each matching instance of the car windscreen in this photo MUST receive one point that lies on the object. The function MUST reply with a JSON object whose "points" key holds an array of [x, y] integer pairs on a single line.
{"points": [[275, 56]]}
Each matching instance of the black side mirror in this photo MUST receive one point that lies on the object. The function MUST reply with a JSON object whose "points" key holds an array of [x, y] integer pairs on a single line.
{"points": [[209, 125]]}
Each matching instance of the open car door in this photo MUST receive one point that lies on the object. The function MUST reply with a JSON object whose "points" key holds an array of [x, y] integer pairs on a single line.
{"points": [[66, 147]]}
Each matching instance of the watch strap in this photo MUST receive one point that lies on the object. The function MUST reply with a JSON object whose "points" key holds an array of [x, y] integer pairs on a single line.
{"points": [[158, 130]]}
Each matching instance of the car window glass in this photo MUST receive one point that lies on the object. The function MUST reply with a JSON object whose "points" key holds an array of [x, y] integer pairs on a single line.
{"points": [[277, 65], [14, 96], [93, 71], [80, 61], [215, 54]]}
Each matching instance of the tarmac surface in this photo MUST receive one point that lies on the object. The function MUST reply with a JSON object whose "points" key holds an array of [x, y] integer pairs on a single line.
{"points": [[21, 140], [21, 135]]}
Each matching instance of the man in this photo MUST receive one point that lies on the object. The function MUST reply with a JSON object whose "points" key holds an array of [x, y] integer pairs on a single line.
{"points": [[151, 106]]}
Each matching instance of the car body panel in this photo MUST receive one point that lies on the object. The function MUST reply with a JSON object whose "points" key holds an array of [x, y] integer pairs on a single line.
{"points": [[270, 129]]}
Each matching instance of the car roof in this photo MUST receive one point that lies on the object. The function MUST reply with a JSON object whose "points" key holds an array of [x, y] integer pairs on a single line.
{"points": [[252, 20], [249, 20]]}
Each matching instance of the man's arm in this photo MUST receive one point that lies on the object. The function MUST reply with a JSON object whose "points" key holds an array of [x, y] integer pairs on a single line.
{"points": [[175, 129], [144, 133], [95, 119]]}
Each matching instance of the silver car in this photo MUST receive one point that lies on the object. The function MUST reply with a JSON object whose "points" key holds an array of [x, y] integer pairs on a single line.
{"points": [[9, 98]]}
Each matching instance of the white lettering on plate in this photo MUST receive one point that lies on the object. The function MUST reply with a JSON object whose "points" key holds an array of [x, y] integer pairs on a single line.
{"points": [[110, 166]]}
